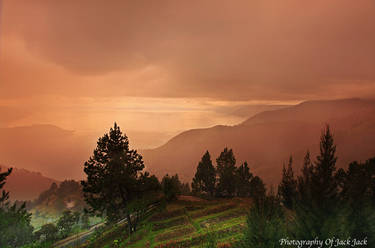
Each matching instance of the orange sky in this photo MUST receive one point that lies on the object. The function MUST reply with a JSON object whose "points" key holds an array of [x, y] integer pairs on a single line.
{"points": [[161, 67]]}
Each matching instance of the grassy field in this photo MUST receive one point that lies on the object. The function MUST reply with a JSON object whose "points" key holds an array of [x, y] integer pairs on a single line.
{"points": [[183, 223]]}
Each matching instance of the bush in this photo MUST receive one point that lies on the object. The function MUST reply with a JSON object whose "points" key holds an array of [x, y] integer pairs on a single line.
{"points": [[171, 187], [265, 224]]}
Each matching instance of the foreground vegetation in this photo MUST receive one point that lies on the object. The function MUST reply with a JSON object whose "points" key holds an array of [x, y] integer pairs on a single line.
{"points": [[187, 222]]}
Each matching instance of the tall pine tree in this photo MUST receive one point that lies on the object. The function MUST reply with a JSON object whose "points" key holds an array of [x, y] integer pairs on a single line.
{"points": [[288, 186], [115, 179], [323, 183], [226, 167], [319, 212], [243, 180], [257, 189], [265, 224], [357, 191], [304, 180], [205, 176]]}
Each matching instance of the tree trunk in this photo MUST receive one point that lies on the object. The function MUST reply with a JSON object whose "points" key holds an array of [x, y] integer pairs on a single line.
{"points": [[130, 225], [124, 201]]}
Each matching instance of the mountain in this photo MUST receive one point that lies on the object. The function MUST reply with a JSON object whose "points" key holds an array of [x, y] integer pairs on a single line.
{"points": [[267, 139], [56, 152], [26, 185]]}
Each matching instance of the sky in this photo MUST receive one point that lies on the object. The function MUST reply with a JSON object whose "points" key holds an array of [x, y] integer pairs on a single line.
{"points": [[161, 67]]}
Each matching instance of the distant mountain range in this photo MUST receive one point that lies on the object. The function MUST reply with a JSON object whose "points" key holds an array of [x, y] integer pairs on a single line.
{"points": [[267, 139], [26, 185], [56, 152]]}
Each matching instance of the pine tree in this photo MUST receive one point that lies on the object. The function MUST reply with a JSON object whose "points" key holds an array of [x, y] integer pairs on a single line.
{"points": [[171, 187], [226, 167], [115, 178], [205, 176], [288, 186], [15, 227], [243, 180], [257, 189], [4, 194], [319, 213], [323, 183], [265, 224], [304, 181], [357, 191]]}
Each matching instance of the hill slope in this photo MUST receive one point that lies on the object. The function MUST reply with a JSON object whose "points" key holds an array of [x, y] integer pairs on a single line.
{"points": [[26, 185], [267, 139]]}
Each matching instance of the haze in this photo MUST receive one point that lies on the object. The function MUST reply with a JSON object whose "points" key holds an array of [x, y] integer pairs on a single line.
{"points": [[161, 67]]}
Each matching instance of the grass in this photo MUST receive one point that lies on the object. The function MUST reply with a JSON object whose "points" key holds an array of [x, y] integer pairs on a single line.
{"points": [[184, 224]]}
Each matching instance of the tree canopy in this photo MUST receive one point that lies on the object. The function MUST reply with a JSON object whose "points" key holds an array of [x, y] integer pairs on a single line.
{"points": [[243, 180], [205, 176], [15, 227], [288, 187], [115, 178], [226, 168], [171, 186]]}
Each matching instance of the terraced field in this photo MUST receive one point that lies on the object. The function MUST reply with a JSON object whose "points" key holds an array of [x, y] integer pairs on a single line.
{"points": [[188, 224]]}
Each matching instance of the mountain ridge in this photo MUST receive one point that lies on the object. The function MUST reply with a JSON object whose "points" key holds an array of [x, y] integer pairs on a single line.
{"points": [[267, 139], [26, 185]]}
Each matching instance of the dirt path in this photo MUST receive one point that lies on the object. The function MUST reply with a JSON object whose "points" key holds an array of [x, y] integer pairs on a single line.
{"points": [[76, 239]]}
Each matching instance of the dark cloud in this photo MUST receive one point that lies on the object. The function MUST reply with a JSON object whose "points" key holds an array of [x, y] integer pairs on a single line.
{"points": [[221, 49]]}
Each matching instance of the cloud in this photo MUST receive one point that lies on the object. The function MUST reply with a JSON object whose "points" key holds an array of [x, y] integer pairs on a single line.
{"points": [[270, 50], [8, 115]]}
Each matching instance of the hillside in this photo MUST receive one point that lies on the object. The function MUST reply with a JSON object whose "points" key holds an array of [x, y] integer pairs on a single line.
{"points": [[184, 223], [267, 139], [26, 185]]}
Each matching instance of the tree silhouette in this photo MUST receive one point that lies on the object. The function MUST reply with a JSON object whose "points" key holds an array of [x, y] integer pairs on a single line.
{"points": [[205, 176], [185, 189], [257, 189], [304, 180], [243, 180], [325, 203], [115, 178], [226, 173], [318, 210], [4, 194], [171, 187], [323, 183], [265, 224], [288, 187], [357, 191]]}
